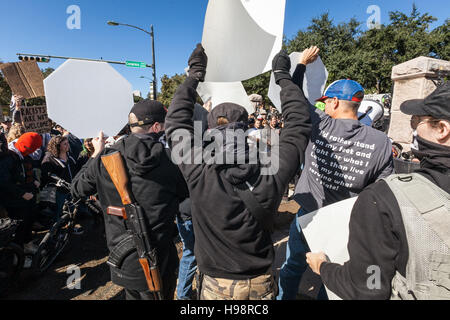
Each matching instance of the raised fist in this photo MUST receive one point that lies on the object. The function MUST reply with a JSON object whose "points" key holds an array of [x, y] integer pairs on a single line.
{"points": [[281, 67], [198, 63]]}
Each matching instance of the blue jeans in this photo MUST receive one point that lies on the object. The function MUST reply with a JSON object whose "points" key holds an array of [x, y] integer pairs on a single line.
{"points": [[294, 267], [188, 264]]}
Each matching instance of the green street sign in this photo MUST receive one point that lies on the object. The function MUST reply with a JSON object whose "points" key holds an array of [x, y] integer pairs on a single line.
{"points": [[136, 64]]}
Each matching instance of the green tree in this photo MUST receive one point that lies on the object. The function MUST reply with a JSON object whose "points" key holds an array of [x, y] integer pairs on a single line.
{"points": [[337, 44], [379, 50], [259, 85], [5, 92], [440, 40], [168, 88]]}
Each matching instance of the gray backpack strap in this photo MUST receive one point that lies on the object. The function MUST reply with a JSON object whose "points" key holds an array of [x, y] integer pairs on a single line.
{"points": [[431, 201], [261, 214]]}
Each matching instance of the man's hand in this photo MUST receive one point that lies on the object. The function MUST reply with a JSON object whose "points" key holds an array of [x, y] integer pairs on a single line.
{"points": [[28, 196], [37, 184], [315, 260], [198, 63], [309, 55], [281, 67], [98, 144]]}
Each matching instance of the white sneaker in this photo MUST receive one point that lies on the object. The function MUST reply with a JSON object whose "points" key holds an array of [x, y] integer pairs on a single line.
{"points": [[30, 248], [28, 262]]}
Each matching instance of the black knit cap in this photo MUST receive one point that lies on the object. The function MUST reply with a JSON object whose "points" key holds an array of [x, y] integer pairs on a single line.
{"points": [[148, 112], [231, 111]]}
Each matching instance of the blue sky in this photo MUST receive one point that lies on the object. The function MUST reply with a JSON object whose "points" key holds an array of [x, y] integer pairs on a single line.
{"points": [[39, 27]]}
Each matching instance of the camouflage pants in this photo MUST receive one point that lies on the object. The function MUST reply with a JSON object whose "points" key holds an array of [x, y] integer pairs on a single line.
{"points": [[260, 288]]}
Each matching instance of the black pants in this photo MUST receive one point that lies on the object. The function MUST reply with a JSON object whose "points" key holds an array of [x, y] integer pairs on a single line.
{"points": [[27, 216], [169, 284]]}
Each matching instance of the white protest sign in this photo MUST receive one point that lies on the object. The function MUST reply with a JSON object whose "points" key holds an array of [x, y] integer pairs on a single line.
{"points": [[316, 77], [221, 92], [327, 230], [85, 97], [241, 37]]}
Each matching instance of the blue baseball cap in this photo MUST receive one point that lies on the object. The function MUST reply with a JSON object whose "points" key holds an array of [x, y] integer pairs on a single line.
{"points": [[343, 90]]}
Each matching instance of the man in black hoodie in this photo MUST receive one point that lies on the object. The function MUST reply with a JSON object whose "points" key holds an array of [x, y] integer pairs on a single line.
{"points": [[233, 243], [399, 243], [158, 187]]}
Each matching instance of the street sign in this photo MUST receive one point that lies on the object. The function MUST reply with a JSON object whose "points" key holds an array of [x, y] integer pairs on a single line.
{"points": [[136, 64]]}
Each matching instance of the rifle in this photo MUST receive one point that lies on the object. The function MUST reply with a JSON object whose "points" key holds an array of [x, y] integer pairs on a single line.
{"points": [[132, 212]]}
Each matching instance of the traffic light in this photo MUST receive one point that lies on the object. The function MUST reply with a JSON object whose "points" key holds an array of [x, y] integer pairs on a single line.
{"points": [[151, 93], [37, 59]]}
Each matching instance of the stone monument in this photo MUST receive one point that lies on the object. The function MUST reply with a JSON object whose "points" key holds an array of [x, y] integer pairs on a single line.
{"points": [[414, 79]]}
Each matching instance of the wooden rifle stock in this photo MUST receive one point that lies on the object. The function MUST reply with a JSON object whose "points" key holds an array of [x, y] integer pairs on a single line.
{"points": [[116, 168], [152, 275]]}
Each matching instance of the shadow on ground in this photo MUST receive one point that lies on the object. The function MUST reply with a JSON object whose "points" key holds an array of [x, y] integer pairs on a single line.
{"points": [[89, 252]]}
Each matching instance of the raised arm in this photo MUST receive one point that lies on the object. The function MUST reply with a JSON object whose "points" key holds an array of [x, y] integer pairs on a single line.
{"points": [[179, 123], [295, 134]]}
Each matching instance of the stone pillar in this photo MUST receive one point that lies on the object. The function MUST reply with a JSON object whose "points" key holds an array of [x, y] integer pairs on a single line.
{"points": [[414, 79]]}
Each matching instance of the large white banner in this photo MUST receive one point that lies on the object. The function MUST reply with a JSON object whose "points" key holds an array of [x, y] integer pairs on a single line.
{"points": [[316, 77], [85, 97], [327, 230], [241, 37]]}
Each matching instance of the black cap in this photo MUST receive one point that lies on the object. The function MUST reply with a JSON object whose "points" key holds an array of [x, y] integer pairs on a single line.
{"points": [[436, 105], [148, 112], [231, 111]]}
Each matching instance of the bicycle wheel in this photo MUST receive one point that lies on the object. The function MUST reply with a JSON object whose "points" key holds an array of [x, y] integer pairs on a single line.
{"points": [[53, 244], [11, 264]]}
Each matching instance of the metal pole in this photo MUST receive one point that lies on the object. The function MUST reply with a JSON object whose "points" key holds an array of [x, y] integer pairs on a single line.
{"points": [[67, 58], [154, 64]]}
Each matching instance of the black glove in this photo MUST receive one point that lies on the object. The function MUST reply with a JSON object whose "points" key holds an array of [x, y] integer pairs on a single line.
{"points": [[281, 67], [197, 63]]}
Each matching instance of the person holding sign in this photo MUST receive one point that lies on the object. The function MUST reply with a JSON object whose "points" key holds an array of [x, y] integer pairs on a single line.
{"points": [[399, 243], [232, 203], [342, 158]]}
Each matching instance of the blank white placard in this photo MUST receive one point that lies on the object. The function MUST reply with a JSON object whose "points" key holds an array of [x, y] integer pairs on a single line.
{"points": [[85, 97]]}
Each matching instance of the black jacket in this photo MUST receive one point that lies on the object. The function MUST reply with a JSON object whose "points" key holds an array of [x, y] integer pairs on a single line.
{"points": [[157, 185], [229, 241], [53, 166], [16, 179], [377, 238]]}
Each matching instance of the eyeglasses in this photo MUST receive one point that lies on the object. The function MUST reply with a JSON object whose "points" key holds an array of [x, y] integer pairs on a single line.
{"points": [[416, 121]]}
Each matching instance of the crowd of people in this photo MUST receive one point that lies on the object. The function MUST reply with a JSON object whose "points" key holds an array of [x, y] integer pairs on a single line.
{"points": [[29, 164], [224, 211]]}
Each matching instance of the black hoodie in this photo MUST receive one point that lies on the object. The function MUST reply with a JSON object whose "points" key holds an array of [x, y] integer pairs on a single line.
{"points": [[158, 187], [229, 242]]}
